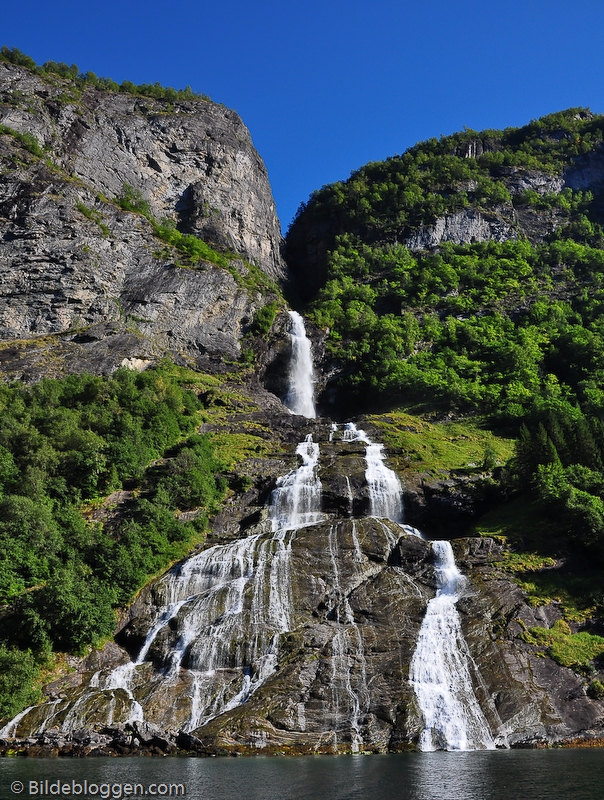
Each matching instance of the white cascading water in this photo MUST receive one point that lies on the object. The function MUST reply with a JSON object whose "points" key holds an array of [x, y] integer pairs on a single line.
{"points": [[296, 502], [440, 668], [300, 396], [229, 604], [385, 490]]}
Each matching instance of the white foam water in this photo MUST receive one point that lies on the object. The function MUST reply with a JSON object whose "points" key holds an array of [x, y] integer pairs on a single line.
{"points": [[300, 396], [384, 487], [440, 668]]}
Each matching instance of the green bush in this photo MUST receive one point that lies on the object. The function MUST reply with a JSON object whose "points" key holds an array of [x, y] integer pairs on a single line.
{"points": [[264, 318], [18, 675], [595, 690]]}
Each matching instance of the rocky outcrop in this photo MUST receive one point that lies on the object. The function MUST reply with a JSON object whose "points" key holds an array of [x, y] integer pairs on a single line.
{"points": [[537, 700], [76, 268], [465, 227]]}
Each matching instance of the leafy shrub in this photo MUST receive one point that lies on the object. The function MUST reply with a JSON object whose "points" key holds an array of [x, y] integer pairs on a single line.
{"points": [[71, 72], [264, 318], [27, 140], [18, 674], [595, 690]]}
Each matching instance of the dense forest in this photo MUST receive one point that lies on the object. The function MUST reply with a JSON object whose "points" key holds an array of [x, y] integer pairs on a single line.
{"points": [[65, 444]]}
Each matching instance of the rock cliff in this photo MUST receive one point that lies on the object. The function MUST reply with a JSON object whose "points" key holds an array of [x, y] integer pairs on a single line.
{"points": [[85, 284]]}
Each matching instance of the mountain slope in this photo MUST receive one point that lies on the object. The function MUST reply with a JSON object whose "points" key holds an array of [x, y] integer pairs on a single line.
{"points": [[130, 227]]}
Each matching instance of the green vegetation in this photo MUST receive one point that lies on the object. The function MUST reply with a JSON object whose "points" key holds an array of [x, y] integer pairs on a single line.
{"points": [[93, 216], [191, 247], [264, 318], [64, 445], [479, 326], [441, 176], [458, 446], [80, 79], [574, 650], [26, 140]]}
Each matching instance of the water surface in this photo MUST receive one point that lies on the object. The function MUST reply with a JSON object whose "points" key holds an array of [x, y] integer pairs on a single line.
{"points": [[488, 775]]}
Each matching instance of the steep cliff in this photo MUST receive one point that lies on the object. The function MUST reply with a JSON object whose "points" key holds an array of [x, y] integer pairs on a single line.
{"points": [[86, 284]]}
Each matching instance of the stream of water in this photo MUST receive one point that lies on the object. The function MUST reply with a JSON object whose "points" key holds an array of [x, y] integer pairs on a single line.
{"points": [[300, 396]]}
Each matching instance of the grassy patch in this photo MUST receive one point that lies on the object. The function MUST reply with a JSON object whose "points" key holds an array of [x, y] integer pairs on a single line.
{"points": [[26, 140], [232, 448], [521, 524], [574, 650], [526, 562], [448, 446], [580, 595]]}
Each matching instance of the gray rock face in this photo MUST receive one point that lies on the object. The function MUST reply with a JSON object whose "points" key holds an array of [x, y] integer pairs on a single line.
{"points": [[465, 227], [71, 258], [586, 173], [536, 699]]}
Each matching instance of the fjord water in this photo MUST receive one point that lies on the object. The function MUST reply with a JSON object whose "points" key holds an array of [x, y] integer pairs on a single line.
{"points": [[487, 775]]}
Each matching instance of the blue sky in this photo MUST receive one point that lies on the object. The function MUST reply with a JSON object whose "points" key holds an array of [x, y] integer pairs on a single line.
{"points": [[327, 85]]}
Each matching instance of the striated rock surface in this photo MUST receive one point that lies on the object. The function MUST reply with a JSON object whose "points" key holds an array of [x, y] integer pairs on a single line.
{"points": [[465, 227], [78, 270], [536, 700]]}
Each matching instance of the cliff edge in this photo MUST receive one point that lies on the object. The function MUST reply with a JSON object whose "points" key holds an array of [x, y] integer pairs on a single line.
{"points": [[84, 283]]}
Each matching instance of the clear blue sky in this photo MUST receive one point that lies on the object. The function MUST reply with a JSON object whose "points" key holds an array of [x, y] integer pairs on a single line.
{"points": [[326, 85]]}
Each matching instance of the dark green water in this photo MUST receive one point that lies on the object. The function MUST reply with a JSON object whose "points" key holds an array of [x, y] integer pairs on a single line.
{"points": [[499, 775]]}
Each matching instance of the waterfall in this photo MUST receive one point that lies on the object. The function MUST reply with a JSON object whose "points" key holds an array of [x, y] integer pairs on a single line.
{"points": [[215, 637], [440, 668], [385, 490], [301, 372], [227, 606], [296, 502]]}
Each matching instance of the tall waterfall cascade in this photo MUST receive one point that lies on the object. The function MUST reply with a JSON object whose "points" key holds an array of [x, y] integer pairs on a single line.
{"points": [[214, 601], [300, 395], [440, 671], [215, 637]]}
